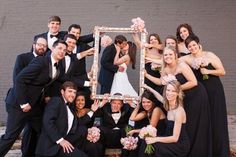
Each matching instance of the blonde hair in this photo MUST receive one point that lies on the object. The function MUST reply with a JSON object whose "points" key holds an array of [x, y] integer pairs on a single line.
{"points": [[180, 95], [172, 48]]}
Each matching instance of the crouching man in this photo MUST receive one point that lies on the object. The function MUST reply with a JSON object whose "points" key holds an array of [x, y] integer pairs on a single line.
{"points": [[59, 121]]}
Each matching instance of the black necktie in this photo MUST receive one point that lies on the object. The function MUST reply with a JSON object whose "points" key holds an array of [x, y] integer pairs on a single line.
{"points": [[51, 36]]}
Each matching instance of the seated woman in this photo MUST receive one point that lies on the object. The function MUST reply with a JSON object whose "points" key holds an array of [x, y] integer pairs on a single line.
{"points": [[149, 112], [83, 113], [85, 120], [175, 142]]}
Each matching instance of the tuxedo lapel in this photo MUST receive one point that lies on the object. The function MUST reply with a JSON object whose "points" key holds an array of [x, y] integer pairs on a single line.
{"points": [[109, 113], [74, 124], [63, 62], [50, 72], [70, 66], [50, 67]]}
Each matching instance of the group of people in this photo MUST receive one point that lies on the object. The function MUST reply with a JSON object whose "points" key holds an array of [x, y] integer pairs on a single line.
{"points": [[50, 98]]}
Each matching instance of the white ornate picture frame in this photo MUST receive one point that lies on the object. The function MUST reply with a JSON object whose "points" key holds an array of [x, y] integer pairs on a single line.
{"points": [[95, 69]]}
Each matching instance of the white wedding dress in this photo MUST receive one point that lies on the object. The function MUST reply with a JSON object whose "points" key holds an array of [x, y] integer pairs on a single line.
{"points": [[121, 83]]}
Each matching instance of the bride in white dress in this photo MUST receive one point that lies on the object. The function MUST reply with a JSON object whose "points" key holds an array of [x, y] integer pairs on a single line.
{"points": [[121, 82]]}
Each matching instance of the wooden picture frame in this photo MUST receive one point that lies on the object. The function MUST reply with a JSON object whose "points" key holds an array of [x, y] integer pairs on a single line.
{"points": [[97, 31]]}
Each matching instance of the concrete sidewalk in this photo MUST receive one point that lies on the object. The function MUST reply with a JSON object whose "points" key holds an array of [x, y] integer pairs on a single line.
{"points": [[15, 151]]}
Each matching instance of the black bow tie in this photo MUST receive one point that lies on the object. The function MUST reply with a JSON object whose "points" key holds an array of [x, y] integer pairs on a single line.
{"points": [[69, 54], [51, 36], [56, 65], [115, 112]]}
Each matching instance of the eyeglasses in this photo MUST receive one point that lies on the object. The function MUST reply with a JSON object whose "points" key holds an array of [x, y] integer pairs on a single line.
{"points": [[41, 45]]}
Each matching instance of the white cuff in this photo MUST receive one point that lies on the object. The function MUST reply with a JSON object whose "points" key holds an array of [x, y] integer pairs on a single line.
{"points": [[88, 76], [86, 83], [90, 114], [79, 56], [24, 105], [59, 141], [100, 104]]}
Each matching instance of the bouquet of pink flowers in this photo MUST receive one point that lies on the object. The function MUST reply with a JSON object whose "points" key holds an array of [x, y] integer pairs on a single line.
{"points": [[200, 63], [129, 142], [148, 131], [106, 41], [138, 25], [93, 134]]}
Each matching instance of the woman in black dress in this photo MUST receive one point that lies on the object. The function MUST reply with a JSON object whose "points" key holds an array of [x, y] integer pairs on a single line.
{"points": [[151, 110], [195, 100], [153, 55], [207, 68], [148, 113], [175, 142], [85, 120]]}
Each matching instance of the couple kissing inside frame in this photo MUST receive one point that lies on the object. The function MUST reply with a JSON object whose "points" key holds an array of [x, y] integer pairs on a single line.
{"points": [[115, 59]]}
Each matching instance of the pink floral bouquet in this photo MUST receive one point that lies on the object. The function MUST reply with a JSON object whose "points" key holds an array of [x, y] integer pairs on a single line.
{"points": [[200, 63], [148, 131], [167, 78], [93, 134], [138, 25], [106, 41], [129, 142]]}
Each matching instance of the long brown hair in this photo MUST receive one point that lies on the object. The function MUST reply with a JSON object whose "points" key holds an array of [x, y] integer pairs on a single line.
{"points": [[185, 25], [132, 53], [150, 96], [158, 38], [180, 95]]}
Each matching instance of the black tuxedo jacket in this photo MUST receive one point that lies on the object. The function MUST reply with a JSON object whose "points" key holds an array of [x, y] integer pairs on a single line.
{"points": [[82, 62], [21, 62], [55, 125], [33, 80], [60, 35], [108, 69], [73, 74], [86, 38]]}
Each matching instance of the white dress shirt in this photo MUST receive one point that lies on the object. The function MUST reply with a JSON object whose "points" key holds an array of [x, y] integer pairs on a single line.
{"points": [[67, 63], [51, 40], [54, 69]]}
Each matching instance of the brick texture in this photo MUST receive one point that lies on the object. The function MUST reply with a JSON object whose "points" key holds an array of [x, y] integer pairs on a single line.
{"points": [[212, 20]]}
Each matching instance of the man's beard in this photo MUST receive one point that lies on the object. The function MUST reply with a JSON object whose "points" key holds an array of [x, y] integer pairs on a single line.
{"points": [[39, 51]]}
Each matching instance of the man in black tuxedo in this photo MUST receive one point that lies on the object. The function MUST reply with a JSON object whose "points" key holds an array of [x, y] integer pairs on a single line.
{"points": [[70, 68], [114, 119], [108, 69], [30, 83], [22, 60], [54, 33], [59, 121], [82, 50]]}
